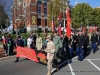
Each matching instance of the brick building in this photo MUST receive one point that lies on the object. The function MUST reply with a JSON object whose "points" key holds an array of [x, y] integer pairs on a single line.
{"points": [[31, 13]]}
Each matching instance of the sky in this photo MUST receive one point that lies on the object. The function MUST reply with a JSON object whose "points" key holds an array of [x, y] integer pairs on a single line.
{"points": [[93, 3]]}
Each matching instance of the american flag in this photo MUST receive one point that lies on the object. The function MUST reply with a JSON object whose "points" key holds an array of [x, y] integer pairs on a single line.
{"points": [[60, 23], [59, 28], [52, 24]]}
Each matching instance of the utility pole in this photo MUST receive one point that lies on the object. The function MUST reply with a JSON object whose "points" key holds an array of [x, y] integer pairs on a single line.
{"points": [[64, 12]]}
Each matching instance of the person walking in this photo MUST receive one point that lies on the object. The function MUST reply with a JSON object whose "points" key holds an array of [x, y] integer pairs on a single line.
{"points": [[86, 43], [50, 49], [80, 46], [94, 41], [20, 43], [58, 45], [71, 45]]}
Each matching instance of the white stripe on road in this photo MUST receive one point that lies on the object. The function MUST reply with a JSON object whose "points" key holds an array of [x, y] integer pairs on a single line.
{"points": [[94, 65], [71, 69], [62, 64], [91, 59], [85, 59], [75, 57]]}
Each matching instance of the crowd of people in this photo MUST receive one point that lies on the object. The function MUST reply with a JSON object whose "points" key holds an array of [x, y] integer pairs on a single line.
{"points": [[53, 43]]}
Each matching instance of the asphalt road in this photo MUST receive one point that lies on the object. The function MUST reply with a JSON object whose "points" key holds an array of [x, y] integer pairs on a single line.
{"points": [[89, 66]]}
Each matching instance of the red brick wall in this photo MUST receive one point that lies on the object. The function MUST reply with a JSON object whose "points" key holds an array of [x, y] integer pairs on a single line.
{"points": [[31, 8]]}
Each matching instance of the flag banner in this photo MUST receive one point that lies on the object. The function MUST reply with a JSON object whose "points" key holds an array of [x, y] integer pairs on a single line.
{"points": [[34, 55], [84, 29], [53, 28], [38, 56], [68, 25], [59, 28], [41, 56], [27, 53], [60, 16]]}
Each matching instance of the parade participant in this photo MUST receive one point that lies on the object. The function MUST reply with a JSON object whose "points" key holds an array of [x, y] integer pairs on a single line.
{"points": [[50, 49], [80, 46], [19, 43], [39, 42], [65, 46], [94, 41], [71, 45], [57, 42], [58, 45], [99, 38], [86, 43]]}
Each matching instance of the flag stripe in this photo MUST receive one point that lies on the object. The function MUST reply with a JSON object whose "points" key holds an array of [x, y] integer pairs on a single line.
{"points": [[52, 24], [68, 28]]}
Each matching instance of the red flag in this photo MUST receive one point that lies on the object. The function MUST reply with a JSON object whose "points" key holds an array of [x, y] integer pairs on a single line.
{"points": [[59, 29], [52, 25], [60, 16], [68, 28]]}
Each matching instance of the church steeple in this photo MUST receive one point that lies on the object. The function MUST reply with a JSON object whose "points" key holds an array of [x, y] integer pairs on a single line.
{"points": [[76, 2]]}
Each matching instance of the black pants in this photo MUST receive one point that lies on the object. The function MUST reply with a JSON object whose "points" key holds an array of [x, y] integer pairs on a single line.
{"points": [[85, 50], [17, 58], [5, 48]]}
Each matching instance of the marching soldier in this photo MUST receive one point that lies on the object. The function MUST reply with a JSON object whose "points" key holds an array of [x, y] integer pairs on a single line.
{"points": [[50, 49], [86, 43], [94, 41], [98, 38], [72, 42], [80, 46], [58, 45]]}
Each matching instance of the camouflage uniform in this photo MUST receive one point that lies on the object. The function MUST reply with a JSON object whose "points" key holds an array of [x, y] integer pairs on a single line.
{"points": [[58, 44], [50, 54]]}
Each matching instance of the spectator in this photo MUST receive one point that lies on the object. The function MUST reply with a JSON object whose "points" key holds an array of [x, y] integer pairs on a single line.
{"points": [[10, 45], [29, 41], [5, 45], [39, 42]]}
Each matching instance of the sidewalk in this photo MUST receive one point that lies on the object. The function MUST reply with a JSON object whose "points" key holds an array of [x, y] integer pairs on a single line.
{"points": [[2, 54]]}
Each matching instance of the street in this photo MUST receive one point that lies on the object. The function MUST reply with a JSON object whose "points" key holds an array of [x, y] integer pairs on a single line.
{"points": [[89, 66]]}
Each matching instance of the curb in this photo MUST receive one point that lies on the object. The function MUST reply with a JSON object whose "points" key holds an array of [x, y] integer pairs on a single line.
{"points": [[8, 57]]}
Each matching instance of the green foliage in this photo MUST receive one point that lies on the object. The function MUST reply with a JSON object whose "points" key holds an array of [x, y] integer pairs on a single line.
{"points": [[55, 7], [81, 14], [3, 18], [96, 16]]}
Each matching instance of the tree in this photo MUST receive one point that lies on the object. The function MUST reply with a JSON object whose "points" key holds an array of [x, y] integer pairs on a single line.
{"points": [[81, 14], [96, 16], [5, 14], [3, 18], [55, 7]]}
